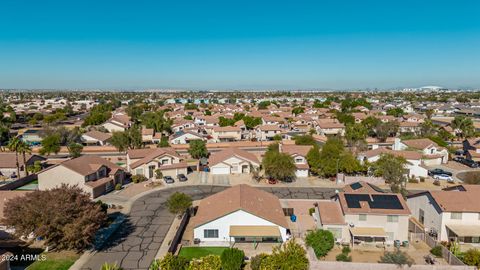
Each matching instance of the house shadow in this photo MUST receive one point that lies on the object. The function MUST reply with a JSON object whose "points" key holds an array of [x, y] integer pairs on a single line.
{"points": [[113, 235]]}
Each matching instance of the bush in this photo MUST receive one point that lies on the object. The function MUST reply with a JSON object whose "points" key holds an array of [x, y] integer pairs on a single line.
{"points": [[118, 186], [413, 181], [158, 174], [311, 211], [436, 183], [232, 259], [422, 179], [210, 262], [321, 241], [346, 250], [397, 257], [178, 203], [472, 257], [256, 261], [343, 257], [169, 262], [288, 256], [138, 178], [436, 251]]}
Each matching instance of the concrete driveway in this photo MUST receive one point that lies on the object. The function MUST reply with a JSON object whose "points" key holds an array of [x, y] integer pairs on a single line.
{"points": [[135, 245]]}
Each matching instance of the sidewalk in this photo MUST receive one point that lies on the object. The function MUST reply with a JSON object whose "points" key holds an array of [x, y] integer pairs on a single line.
{"points": [[163, 250]]}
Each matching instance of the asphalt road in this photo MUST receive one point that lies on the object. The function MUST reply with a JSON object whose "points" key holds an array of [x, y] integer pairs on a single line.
{"points": [[136, 243]]}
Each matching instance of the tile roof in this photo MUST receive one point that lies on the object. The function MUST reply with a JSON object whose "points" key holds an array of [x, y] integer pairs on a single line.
{"points": [[419, 143], [101, 136], [293, 149], [88, 164], [152, 154], [454, 200], [218, 157], [330, 213], [240, 197]]}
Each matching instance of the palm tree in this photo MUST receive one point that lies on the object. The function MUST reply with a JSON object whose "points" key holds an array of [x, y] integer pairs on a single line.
{"points": [[24, 148], [13, 145]]}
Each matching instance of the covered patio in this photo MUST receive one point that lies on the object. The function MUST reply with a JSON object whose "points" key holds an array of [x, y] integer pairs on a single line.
{"points": [[255, 234], [367, 235], [464, 233]]}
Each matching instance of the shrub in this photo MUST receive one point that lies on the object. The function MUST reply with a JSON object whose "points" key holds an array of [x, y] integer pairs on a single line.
{"points": [[436, 251], [436, 183], [232, 259], [321, 241], [169, 262], [422, 179], [138, 178], [118, 186], [210, 262], [256, 261], [107, 266], [346, 250], [397, 257], [413, 181], [472, 257], [343, 257], [311, 211], [178, 203], [288, 256], [158, 174]]}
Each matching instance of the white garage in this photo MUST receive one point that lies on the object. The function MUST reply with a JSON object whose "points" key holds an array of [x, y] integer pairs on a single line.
{"points": [[220, 168], [232, 161], [301, 173]]}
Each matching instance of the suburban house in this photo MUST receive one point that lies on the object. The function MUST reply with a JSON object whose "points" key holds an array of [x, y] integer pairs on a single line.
{"points": [[432, 154], [226, 134], [299, 155], [91, 173], [184, 137], [8, 164], [415, 165], [364, 213], [95, 138], [118, 122], [240, 214], [453, 214], [471, 148], [147, 135], [330, 126], [268, 132], [232, 160], [146, 161]]}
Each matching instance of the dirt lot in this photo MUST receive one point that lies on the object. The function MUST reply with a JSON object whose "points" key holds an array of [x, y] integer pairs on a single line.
{"points": [[372, 254]]}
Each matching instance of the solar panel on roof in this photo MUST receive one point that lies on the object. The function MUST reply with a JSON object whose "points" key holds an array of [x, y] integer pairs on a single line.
{"points": [[356, 186], [375, 201]]}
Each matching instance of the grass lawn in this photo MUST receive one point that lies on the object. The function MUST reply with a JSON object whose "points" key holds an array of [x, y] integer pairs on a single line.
{"points": [[56, 260], [198, 252]]}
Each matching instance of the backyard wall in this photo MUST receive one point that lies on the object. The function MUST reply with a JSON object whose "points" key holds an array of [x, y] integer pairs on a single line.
{"points": [[328, 265]]}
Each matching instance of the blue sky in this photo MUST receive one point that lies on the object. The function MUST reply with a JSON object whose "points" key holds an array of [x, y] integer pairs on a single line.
{"points": [[239, 44]]}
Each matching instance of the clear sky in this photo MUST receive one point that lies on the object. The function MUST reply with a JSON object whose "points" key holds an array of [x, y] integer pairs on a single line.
{"points": [[231, 44]]}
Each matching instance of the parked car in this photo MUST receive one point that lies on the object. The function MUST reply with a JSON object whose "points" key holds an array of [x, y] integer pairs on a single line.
{"points": [[470, 163], [168, 179], [182, 178], [445, 177], [458, 159], [438, 171]]}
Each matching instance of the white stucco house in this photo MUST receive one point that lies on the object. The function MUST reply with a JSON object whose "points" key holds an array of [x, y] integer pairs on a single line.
{"points": [[299, 155], [146, 161], [364, 213], [453, 213], [432, 154], [232, 160], [184, 137], [240, 214]]}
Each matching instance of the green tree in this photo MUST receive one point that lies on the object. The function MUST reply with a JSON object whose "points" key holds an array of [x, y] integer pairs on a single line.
{"points": [[75, 149], [397, 257], [252, 122], [392, 169], [178, 203], [50, 144], [223, 121], [305, 140], [36, 167], [289, 256], [263, 105], [355, 135], [163, 142], [385, 130], [345, 118], [15, 145], [314, 159], [24, 149], [98, 115], [64, 216], [278, 166], [370, 123], [321, 241], [232, 259], [197, 149], [119, 140], [465, 125], [134, 136], [298, 110], [277, 137], [396, 112]]}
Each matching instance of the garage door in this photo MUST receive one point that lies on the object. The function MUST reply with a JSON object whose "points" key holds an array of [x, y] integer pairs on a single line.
{"points": [[220, 170]]}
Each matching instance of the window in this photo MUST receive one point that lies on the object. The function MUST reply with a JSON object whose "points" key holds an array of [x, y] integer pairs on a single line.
{"points": [[139, 171], [164, 161], [392, 218], [455, 215], [362, 217], [421, 216], [210, 233], [298, 160]]}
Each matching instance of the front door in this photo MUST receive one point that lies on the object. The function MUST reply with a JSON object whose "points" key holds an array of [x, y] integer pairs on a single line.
{"points": [[151, 170]]}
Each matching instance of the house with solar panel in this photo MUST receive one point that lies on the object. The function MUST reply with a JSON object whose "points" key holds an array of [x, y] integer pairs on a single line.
{"points": [[363, 213]]}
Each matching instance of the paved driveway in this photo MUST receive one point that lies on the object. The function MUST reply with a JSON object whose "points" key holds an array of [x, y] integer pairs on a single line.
{"points": [[135, 245]]}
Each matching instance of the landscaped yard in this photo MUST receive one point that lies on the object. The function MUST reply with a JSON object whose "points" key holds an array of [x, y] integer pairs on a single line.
{"points": [[198, 252], [56, 260]]}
